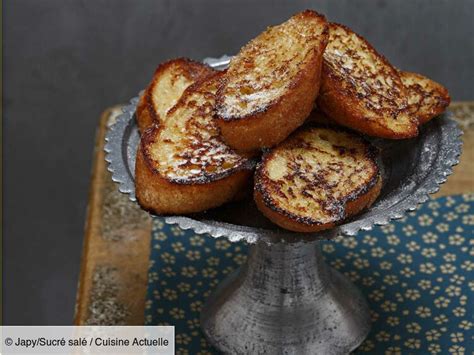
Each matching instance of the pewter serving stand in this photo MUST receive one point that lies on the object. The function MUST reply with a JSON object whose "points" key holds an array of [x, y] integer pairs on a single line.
{"points": [[286, 299]]}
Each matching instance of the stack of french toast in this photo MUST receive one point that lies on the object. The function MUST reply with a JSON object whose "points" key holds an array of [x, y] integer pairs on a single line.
{"points": [[289, 117]]}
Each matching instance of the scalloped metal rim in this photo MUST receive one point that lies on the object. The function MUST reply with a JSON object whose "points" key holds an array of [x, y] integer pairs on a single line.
{"points": [[447, 158]]}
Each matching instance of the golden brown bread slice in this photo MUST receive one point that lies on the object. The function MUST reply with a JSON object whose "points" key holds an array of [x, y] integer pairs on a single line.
{"points": [[426, 98], [183, 166], [317, 178], [360, 89], [168, 84], [271, 85]]}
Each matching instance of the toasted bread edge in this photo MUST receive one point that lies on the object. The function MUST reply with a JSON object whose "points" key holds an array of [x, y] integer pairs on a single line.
{"points": [[164, 197], [287, 221], [146, 113], [271, 125], [143, 116], [344, 108], [353, 203], [443, 99]]}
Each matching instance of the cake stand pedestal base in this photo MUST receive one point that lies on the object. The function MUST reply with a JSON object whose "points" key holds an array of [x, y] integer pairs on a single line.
{"points": [[286, 300]]}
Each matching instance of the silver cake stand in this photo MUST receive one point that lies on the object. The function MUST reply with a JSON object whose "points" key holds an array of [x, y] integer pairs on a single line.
{"points": [[285, 299]]}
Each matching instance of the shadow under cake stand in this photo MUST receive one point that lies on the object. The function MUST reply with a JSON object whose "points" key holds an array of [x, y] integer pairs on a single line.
{"points": [[285, 299]]}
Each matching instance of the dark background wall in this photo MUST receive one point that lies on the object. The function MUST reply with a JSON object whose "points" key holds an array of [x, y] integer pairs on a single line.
{"points": [[65, 61]]}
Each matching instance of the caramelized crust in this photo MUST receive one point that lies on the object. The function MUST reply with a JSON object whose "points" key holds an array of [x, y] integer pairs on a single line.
{"points": [[317, 178], [168, 84], [271, 85], [183, 166], [360, 89], [426, 98]]}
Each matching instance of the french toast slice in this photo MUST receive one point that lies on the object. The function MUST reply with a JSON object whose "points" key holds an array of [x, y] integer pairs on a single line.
{"points": [[168, 84], [271, 84], [360, 89], [183, 166], [426, 98], [317, 178]]}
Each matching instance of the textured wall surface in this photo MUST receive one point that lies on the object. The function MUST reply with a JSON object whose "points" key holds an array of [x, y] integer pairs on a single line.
{"points": [[67, 60]]}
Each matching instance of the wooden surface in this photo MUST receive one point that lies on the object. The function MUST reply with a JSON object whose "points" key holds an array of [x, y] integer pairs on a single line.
{"points": [[113, 279], [114, 262], [462, 180]]}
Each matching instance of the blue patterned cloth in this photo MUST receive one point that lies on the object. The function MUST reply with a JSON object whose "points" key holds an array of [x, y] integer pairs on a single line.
{"points": [[417, 274]]}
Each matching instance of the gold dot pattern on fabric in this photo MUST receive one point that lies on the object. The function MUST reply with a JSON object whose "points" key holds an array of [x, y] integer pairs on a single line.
{"points": [[417, 275]]}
